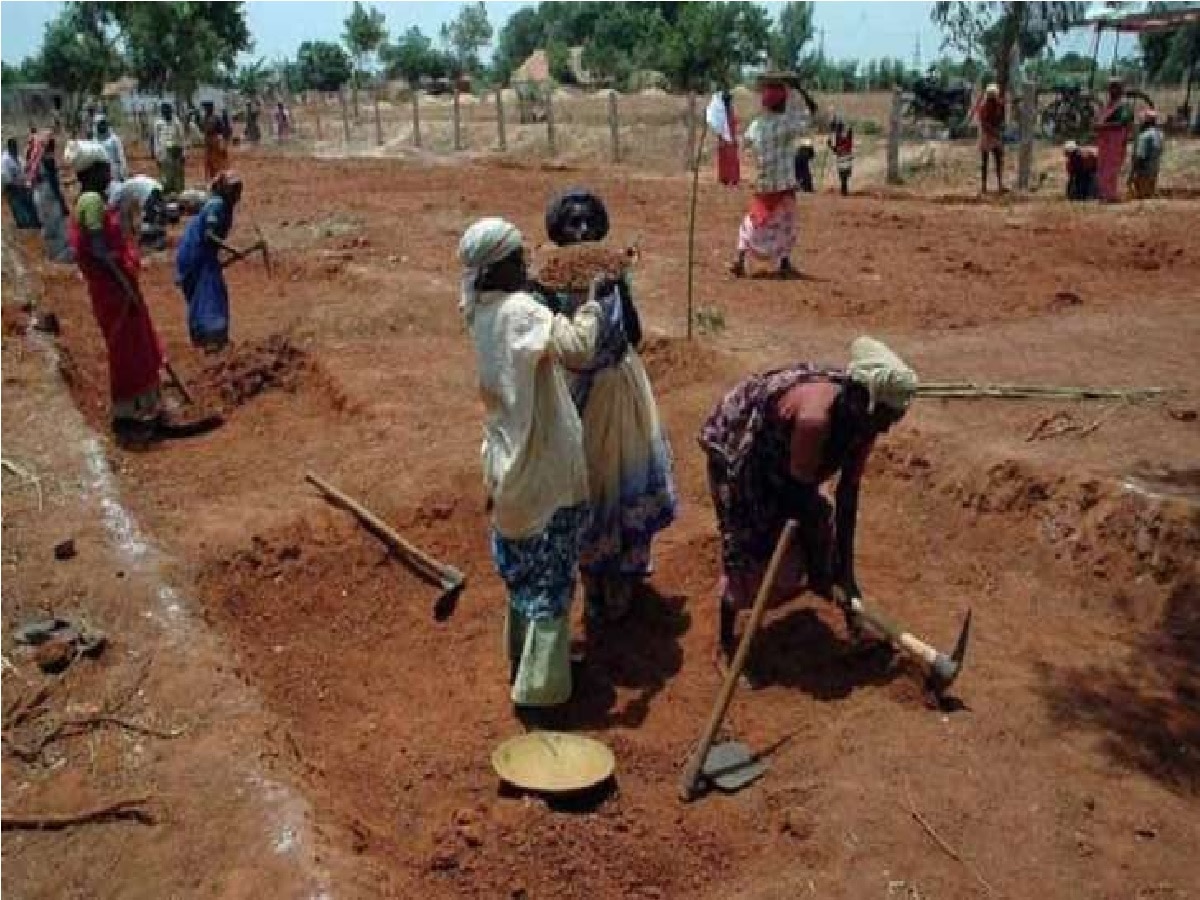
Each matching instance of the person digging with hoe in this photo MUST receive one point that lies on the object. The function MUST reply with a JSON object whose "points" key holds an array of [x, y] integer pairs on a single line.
{"points": [[769, 228], [771, 443], [110, 263], [200, 270]]}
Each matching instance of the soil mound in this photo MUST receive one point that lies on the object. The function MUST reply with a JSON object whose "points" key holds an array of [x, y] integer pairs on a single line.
{"points": [[275, 364], [675, 362]]}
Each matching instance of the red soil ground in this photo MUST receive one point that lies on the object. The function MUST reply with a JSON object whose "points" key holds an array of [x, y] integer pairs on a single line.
{"points": [[1072, 768]]}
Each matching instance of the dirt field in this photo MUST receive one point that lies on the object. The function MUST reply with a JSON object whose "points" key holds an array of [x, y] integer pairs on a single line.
{"points": [[339, 737]]}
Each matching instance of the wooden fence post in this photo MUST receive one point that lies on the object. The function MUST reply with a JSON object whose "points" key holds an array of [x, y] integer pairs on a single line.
{"points": [[416, 98], [378, 121], [550, 120], [614, 126], [457, 121], [345, 115], [320, 101], [1028, 126], [500, 133], [691, 129], [893, 138]]}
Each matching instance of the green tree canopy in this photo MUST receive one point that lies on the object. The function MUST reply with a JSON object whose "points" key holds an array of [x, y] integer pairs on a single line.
{"points": [[794, 31], [1168, 55], [78, 55], [176, 46], [323, 66], [469, 33]]}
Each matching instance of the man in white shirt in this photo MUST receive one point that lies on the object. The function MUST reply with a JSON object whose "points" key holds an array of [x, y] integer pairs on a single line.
{"points": [[113, 149], [169, 139]]}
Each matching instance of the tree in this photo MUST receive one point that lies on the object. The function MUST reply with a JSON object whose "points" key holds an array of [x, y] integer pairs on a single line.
{"points": [[409, 57], [795, 29], [250, 80], [1170, 55], [711, 42], [996, 29], [520, 36], [176, 46], [78, 56], [366, 31], [469, 33], [324, 66]]}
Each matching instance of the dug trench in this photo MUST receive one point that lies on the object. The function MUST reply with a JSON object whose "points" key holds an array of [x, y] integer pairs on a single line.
{"points": [[1070, 769]]}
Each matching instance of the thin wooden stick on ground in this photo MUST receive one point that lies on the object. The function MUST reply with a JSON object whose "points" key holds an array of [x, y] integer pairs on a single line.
{"points": [[945, 847], [969, 390], [75, 727], [129, 808]]}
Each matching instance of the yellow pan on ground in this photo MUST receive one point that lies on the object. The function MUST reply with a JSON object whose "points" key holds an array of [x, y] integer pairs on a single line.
{"points": [[553, 762]]}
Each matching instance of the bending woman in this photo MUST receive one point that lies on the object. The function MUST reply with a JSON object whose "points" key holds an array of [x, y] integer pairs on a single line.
{"points": [[199, 269], [109, 263], [631, 487], [533, 464]]}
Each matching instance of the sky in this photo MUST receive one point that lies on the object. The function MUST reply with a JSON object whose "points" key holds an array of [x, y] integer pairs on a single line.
{"points": [[850, 29]]}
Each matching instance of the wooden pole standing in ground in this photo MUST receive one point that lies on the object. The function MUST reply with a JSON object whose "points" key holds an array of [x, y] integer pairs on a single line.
{"points": [[416, 97], [501, 135], [893, 138], [345, 115], [691, 128], [692, 233], [1028, 118], [378, 121], [457, 122], [614, 126], [550, 120], [320, 101]]}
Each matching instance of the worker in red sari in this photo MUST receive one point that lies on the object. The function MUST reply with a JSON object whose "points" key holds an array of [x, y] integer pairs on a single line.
{"points": [[769, 228], [1113, 129], [729, 166], [990, 113], [110, 263]]}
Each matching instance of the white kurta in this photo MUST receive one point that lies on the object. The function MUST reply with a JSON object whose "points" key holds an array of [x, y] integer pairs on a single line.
{"points": [[533, 461]]}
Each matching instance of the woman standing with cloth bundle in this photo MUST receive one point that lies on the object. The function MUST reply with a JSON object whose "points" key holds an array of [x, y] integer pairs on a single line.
{"points": [[631, 488], [533, 464]]}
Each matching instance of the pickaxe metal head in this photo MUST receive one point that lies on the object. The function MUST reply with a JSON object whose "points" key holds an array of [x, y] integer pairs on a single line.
{"points": [[452, 582], [946, 669]]}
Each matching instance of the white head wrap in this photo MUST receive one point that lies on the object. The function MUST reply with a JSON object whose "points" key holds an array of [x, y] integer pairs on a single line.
{"points": [[887, 378], [81, 155], [484, 244], [992, 90]]}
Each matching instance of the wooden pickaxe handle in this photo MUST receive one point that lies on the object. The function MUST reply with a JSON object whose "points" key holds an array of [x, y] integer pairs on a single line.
{"points": [[178, 382], [688, 781], [448, 578]]}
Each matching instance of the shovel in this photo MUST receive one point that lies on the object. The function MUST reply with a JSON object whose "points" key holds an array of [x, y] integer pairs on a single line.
{"points": [[731, 765]]}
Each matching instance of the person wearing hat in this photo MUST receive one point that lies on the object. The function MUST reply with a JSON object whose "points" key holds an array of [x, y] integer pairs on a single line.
{"points": [[990, 114], [631, 486], [110, 265], [169, 141], [1147, 157], [769, 228], [1112, 134], [772, 442], [534, 469], [112, 147]]}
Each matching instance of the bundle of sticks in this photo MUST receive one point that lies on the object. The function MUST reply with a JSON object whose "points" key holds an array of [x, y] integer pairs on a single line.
{"points": [[571, 269]]}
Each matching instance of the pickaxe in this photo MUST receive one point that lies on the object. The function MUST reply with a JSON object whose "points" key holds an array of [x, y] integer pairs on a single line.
{"points": [[448, 578], [943, 668], [259, 246]]}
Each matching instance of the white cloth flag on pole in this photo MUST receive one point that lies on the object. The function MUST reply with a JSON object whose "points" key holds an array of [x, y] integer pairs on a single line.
{"points": [[717, 120]]}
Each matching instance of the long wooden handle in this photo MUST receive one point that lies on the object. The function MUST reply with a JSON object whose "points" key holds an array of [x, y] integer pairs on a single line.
{"points": [[448, 576], [178, 382], [691, 772], [894, 632]]}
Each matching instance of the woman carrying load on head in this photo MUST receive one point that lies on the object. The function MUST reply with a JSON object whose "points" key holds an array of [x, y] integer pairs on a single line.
{"points": [[632, 490], [533, 464], [768, 230], [772, 442]]}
